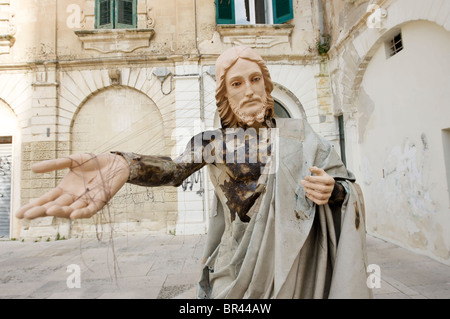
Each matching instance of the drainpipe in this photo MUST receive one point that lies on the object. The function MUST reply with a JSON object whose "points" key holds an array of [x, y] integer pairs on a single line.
{"points": [[206, 208], [320, 20]]}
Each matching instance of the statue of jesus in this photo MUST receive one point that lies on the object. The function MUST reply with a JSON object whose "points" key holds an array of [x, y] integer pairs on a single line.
{"points": [[287, 218]]}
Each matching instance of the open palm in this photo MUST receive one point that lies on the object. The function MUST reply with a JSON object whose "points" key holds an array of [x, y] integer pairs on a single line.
{"points": [[89, 184]]}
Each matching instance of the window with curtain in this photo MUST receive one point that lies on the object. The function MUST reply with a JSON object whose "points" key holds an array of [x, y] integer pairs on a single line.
{"points": [[253, 11], [115, 14]]}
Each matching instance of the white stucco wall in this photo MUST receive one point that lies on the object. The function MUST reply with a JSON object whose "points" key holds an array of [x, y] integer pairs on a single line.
{"points": [[398, 151]]}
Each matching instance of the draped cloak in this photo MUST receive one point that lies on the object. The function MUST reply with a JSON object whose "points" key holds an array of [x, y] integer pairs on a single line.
{"points": [[291, 248]]}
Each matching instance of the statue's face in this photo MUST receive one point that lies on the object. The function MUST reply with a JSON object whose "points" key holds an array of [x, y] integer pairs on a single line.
{"points": [[246, 92]]}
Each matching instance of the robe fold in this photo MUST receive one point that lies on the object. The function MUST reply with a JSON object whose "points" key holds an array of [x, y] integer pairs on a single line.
{"points": [[291, 248]]}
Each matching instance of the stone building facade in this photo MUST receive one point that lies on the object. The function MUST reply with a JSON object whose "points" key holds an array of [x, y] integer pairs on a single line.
{"points": [[69, 84], [138, 75]]}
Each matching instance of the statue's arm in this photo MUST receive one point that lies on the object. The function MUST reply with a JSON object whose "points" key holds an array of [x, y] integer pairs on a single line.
{"points": [[151, 171], [147, 170], [94, 179], [338, 194]]}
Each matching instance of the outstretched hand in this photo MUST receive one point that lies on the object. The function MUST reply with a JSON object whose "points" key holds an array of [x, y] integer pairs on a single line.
{"points": [[318, 187], [90, 183]]}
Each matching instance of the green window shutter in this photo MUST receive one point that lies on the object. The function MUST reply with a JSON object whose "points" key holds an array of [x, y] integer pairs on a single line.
{"points": [[126, 15], [225, 12], [104, 14], [282, 11]]}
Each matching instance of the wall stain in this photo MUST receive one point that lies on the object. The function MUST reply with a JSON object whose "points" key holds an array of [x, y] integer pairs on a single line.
{"points": [[366, 109]]}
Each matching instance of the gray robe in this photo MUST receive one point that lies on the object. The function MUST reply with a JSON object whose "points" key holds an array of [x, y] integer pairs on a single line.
{"points": [[291, 248]]}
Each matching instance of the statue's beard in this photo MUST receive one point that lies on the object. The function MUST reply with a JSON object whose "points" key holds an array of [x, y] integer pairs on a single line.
{"points": [[249, 117]]}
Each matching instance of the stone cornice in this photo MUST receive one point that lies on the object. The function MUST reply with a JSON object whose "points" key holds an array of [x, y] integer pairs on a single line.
{"points": [[256, 35], [115, 40]]}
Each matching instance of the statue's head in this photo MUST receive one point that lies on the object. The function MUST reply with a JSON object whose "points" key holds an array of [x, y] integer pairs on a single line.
{"points": [[243, 88]]}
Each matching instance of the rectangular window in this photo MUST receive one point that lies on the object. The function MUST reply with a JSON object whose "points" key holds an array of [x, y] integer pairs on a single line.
{"points": [[115, 14], [225, 12], [253, 11], [105, 12], [395, 45]]}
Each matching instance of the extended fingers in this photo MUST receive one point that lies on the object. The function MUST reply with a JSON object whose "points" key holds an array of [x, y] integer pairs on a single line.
{"points": [[47, 197], [84, 207], [56, 208], [71, 161], [66, 210], [36, 207], [86, 212], [35, 212], [48, 205], [48, 208], [52, 165], [21, 212]]}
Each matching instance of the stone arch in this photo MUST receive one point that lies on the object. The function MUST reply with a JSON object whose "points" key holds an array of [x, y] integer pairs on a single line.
{"points": [[358, 53], [294, 83], [16, 92], [105, 122], [77, 86], [8, 126], [289, 101], [134, 208], [135, 127]]}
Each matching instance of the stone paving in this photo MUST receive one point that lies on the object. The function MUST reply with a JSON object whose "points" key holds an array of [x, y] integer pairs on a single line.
{"points": [[166, 266]]}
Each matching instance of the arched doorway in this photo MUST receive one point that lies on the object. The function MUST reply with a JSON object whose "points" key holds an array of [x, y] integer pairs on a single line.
{"points": [[124, 119], [280, 110]]}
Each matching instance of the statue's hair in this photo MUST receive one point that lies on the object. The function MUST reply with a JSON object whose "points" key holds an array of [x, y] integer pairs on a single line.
{"points": [[225, 61]]}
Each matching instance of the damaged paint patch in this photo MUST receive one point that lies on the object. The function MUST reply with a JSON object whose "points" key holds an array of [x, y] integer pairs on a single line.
{"points": [[402, 184], [358, 216], [301, 215], [424, 141], [416, 237]]}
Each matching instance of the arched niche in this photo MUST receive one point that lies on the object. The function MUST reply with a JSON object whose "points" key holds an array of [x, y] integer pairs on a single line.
{"points": [[123, 119]]}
